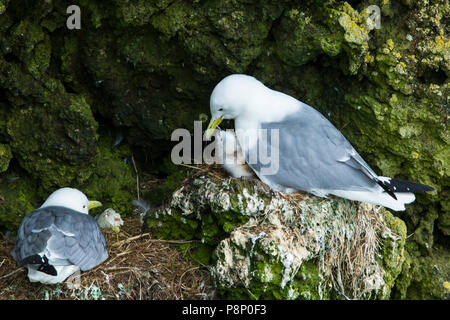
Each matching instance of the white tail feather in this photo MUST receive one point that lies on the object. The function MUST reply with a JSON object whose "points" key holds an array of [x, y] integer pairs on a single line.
{"points": [[380, 198]]}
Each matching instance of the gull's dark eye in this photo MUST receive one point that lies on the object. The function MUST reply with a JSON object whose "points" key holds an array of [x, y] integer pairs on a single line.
{"points": [[221, 109], [84, 207]]}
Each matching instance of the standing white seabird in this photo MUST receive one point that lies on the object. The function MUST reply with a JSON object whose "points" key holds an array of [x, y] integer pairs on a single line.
{"points": [[313, 155], [60, 238]]}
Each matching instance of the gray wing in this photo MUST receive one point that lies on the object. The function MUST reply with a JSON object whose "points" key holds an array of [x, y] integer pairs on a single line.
{"points": [[71, 238], [313, 154]]}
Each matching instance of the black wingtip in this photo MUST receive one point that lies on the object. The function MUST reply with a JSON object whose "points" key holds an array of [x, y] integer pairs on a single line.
{"points": [[48, 269], [387, 189], [396, 185], [427, 188], [35, 259], [44, 266], [407, 186]]}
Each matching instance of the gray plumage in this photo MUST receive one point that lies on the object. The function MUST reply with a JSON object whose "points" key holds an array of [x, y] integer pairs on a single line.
{"points": [[315, 155], [65, 236]]}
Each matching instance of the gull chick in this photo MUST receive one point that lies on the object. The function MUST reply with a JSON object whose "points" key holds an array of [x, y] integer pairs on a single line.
{"points": [[110, 219], [229, 155]]}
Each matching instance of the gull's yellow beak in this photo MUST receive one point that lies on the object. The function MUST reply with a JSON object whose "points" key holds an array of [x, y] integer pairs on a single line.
{"points": [[94, 204], [213, 124]]}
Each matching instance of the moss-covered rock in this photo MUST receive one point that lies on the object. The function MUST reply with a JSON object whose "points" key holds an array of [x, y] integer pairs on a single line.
{"points": [[182, 217], [56, 141], [18, 197], [424, 277], [274, 246], [113, 180], [5, 157]]}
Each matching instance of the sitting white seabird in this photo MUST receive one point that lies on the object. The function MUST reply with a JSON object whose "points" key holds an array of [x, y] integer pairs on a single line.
{"points": [[229, 154], [313, 155], [60, 238]]}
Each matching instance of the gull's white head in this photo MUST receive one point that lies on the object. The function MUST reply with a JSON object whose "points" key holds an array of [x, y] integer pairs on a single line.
{"points": [[247, 100], [70, 198], [234, 96]]}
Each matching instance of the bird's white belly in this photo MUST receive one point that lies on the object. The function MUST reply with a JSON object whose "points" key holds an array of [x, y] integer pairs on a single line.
{"points": [[63, 272]]}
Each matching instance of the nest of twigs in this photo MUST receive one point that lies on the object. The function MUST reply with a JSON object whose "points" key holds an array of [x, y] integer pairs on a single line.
{"points": [[138, 267]]}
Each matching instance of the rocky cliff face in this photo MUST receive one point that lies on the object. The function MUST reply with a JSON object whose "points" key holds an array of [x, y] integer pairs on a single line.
{"points": [[148, 67]]}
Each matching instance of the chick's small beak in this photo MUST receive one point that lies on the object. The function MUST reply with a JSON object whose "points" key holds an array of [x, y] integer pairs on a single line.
{"points": [[94, 204], [213, 124]]}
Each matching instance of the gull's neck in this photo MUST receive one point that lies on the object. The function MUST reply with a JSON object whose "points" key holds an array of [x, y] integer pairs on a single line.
{"points": [[267, 106]]}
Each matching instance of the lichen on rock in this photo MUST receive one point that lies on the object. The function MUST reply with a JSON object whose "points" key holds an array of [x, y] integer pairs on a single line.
{"points": [[269, 245]]}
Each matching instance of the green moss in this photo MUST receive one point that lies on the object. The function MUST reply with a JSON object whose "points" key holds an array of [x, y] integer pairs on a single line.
{"points": [[306, 285], [199, 253], [137, 13], [113, 181], [424, 277], [436, 52], [210, 222], [173, 18], [309, 280], [18, 197], [443, 222], [173, 226], [25, 36], [53, 21], [55, 141], [298, 39], [393, 252], [3, 5], [5, 157], [411, 149], [69, 57], [40, 59]]}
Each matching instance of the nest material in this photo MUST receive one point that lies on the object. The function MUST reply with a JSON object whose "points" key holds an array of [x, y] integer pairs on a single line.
{"points": [[138, 267]]}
